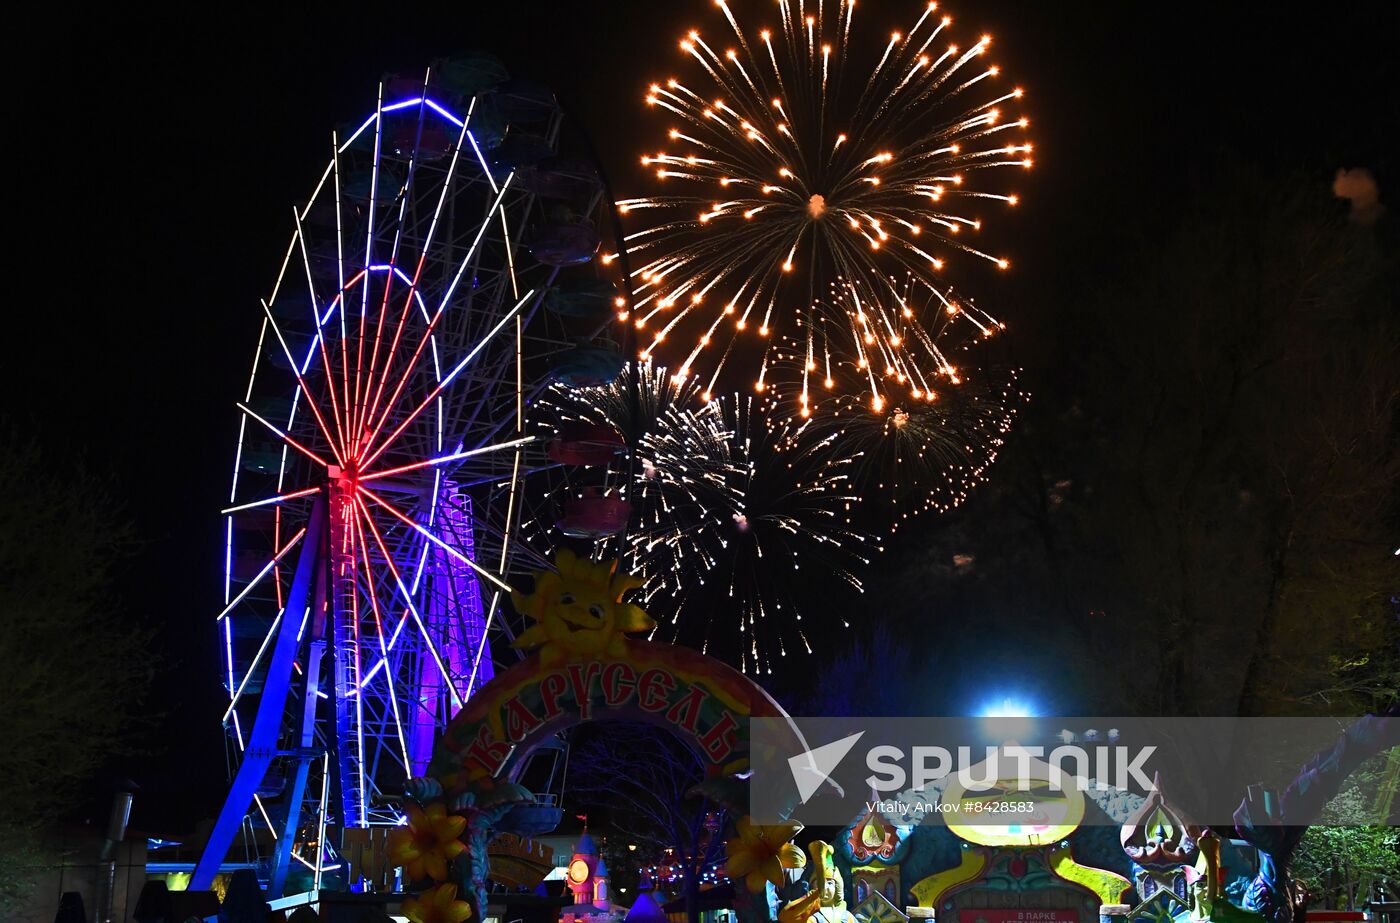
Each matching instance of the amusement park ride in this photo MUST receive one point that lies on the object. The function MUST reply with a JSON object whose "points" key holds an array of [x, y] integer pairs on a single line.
{"points": [[427, 293]]}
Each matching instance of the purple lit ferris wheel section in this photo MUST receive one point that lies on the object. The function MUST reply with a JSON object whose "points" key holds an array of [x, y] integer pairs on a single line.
{"points": [[456, 617]]}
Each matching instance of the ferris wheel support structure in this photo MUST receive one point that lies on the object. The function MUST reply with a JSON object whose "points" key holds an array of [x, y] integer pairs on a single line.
{"points": [[262, 745]]}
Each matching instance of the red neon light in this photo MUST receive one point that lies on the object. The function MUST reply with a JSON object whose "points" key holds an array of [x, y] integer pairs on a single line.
{"points": [[398, 332], [301, 383], [360, 350], [345, 357], [276, 568], [330, 383], [379, 327], [288, 439], [403, 382]]}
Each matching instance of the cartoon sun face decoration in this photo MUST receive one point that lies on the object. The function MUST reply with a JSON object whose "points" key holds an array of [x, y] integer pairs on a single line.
{"points": [[578, 611]]}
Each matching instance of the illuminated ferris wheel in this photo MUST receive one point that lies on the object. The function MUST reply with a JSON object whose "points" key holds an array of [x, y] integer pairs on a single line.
{"points": [[439, 275]]}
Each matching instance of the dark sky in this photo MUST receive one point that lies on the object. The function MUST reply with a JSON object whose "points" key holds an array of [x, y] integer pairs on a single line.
{"points": [[159, 154]]}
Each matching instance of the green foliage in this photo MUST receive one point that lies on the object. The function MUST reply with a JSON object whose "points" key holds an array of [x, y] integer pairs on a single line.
{"points": [[73, 666], [1336, 862]]}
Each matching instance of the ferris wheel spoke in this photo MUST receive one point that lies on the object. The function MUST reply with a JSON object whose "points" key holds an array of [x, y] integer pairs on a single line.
{"points": [[360, 515], [267, 569], [369, 259], [390, 273], [445, 459], [394, 260], [320, 343], [442, 385], [424, 249], [512, 500], [481, 648], [257, 659], [481, 571], [283, 436], [301, 383], [267, 501], [432, 324], [403, 590], [339, 299]]}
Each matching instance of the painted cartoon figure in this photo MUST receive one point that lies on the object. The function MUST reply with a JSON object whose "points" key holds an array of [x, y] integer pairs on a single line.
{"points": [[828, 884], [578, 611]]}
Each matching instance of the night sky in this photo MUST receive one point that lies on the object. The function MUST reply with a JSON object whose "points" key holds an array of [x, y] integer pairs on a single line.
{"points": [[159, 155]]}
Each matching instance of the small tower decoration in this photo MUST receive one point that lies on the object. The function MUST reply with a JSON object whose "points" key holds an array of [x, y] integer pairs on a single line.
{"points": [[583, 867], [602, 899], [587, 876]]}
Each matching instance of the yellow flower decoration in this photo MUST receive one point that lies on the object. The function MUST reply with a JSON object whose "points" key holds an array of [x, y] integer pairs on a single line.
{"points": [[427, 843], [760, 853], [436, 905], [579, 612]]}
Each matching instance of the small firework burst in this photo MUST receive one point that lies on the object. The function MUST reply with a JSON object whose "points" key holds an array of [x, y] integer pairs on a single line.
{"points": [[739, 515], [920, 455], [793, 539]]}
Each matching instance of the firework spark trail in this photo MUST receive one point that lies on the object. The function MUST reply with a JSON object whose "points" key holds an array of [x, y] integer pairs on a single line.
{"points": [[919, 456], [738, 513], [796, 534], [791, 186], [683, 487]]}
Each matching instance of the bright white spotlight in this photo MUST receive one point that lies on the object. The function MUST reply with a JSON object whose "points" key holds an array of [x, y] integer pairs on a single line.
{"points": [[1008, 719], [1007, 707]]}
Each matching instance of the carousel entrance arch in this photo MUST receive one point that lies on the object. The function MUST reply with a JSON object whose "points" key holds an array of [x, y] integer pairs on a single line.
{"points": [[584, 667], [704, 702]]}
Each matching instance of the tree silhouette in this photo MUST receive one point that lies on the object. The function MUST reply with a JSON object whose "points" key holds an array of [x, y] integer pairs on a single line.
{"points": [[73, 666]]}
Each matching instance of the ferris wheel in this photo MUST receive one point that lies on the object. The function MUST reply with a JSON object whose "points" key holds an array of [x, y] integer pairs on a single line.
{"points": [[441, 273]]}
